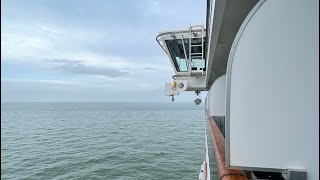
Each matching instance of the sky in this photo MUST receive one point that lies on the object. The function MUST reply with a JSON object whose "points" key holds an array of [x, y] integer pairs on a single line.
{"points": [[90, 50]]}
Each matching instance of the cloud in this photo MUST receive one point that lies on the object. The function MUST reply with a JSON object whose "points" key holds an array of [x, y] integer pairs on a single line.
{"points": [[87, 53], [78, 68], [147, 86], [45, 81], [49, 43], [149, 68]]}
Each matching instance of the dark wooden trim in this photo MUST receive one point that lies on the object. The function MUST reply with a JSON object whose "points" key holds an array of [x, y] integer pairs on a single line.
{"points": [[219, 151]]}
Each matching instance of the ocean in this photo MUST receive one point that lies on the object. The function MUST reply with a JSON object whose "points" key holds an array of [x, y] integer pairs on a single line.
{"points": [[118, 141]]}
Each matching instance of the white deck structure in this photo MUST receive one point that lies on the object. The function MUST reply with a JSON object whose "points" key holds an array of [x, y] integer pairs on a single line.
{"points": [[259, 62]]}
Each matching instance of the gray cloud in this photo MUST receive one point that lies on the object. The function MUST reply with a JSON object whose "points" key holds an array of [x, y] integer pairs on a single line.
{"points": [[36, 31], [149, 68], [77, 68]]}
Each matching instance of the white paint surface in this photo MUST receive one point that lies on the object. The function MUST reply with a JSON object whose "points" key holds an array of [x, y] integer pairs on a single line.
{"points": [[218, 97], [274, 97]]}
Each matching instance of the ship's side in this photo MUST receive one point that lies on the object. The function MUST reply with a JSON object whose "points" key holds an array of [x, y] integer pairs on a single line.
{"points": [[259, 64], [267, 88]]}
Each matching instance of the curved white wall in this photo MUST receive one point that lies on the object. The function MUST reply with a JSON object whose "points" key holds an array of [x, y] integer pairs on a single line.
{"points": [[272, 118], [217, 97]]}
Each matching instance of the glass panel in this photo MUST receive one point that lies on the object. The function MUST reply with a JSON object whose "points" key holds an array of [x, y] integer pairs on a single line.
{"points": [[182, 63], [196, 41], [177, 53], [186, 45], [196, 49], [197, 62]]}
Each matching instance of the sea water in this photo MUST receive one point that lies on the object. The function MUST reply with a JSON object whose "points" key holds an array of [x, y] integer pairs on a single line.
{"points": [[101, 140]]}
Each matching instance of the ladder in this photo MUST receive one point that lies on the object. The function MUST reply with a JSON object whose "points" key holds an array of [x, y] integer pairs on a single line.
{"points": [[194, 33]]}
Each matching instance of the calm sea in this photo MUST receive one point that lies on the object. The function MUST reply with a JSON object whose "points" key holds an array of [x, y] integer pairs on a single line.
{"points": [[101, 140]]}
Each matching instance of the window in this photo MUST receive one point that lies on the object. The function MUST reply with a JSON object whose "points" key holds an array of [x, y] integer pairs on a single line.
{"points": [[197, 63], [177, 53], [179, 56]]}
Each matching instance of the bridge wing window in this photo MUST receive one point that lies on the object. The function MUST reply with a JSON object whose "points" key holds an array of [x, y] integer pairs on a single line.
{"points": [[194, 41], [177, 54], [197, 63]]}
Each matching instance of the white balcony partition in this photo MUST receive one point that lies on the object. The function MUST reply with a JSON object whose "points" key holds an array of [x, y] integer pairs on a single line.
{"points": [[217, 97], [272, 115]]}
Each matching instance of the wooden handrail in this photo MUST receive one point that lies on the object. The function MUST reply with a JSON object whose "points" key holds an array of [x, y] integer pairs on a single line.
{"points": [[219, 151]]}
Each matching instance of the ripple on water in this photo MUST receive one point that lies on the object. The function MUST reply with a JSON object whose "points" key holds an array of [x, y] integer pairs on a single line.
{"points": [[100, 143]]}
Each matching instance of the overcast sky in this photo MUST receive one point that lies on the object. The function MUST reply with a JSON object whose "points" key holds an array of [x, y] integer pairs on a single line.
{"points": [[90, 50]]}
